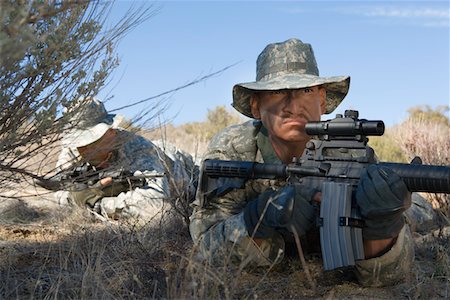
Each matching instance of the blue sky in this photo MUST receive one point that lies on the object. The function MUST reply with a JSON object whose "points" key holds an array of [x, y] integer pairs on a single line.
{"points": [[396, 52]]}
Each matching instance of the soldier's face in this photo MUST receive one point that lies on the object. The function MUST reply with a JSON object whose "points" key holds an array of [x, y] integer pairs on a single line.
{"points": [[285, 113], [99, 152]]}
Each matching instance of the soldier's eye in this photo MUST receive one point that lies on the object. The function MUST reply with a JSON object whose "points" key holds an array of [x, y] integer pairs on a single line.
{"points": [[307, 90], [279, 93]]}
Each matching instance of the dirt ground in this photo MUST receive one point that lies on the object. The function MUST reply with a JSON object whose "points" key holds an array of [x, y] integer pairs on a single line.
{"points": [[50, 252]]}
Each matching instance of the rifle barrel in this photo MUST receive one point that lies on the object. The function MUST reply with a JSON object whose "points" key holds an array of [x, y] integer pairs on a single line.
{"points": [[418, 178], [422, 178]]}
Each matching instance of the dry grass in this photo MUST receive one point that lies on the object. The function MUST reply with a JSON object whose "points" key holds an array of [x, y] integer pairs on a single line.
{"points": [[431, 142], [194, 137], [425, 138], [71, 254], [195, 144]]}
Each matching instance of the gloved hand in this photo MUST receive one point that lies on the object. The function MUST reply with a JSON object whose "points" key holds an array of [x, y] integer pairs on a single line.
{"points": [[88, 196], [106, 187], [290, 206], [382, 197]]}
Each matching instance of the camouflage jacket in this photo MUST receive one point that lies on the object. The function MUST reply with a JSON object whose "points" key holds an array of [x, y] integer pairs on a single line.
{"points": [[138, 155], [217, 224]]}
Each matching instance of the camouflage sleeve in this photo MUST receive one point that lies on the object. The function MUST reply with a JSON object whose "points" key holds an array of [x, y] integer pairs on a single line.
{"points": [[140, 203], [183, 171], [217, 225], [209, 210], [392, 266], [148, 158], [227, 240]]}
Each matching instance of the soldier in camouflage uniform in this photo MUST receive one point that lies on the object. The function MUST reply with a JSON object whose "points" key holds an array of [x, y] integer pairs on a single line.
{"points": [[252, 222], [95, 139]]}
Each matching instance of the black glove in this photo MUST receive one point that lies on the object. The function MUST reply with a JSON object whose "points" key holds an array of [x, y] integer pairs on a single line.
{"points": [[382, 197], [290, 206]]}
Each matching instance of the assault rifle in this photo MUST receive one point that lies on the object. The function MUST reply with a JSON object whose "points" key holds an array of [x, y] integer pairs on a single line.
{"points": [[84, 176], [332, 163]]}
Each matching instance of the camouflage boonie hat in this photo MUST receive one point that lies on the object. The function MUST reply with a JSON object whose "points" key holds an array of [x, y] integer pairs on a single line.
{"points": [[88, 122], [289, 65]]}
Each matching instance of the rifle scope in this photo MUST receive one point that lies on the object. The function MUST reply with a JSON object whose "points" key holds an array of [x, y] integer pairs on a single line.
{"points": [[345, 127]]}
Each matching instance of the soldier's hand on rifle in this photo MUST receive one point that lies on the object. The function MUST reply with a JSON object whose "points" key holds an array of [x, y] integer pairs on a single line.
{"points": [[382, 197], [106, 181], [91, 194], [88, 196], [290, 206]]}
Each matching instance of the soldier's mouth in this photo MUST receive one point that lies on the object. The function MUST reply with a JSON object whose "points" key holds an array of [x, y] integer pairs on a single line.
{"points": [[296, 122]]}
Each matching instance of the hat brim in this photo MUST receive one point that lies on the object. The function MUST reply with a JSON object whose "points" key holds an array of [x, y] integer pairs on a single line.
{"points": [[336, 87], [80, 137]]}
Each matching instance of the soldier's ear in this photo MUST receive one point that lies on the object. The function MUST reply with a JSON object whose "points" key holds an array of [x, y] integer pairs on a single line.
{"points": [[254, 105], [323, 99]]}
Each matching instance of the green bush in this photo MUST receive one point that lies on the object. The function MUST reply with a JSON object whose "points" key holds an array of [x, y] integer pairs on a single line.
{"points": [[387, 149], [439, 115]]}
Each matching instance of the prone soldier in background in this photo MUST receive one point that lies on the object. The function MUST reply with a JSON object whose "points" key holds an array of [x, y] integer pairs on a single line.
{"points": [[114, 171], [253, 224]]}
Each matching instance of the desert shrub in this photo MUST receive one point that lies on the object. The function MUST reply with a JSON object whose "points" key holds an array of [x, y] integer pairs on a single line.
{"points": [[218, 119], [426, 133], [51, 53], [193, 137], [438, 115], [427, 139], [387, 149]]}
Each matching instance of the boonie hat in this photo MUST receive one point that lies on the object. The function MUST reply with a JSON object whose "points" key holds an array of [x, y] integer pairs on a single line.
{"points": [[89, 122], [289, 65]]}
